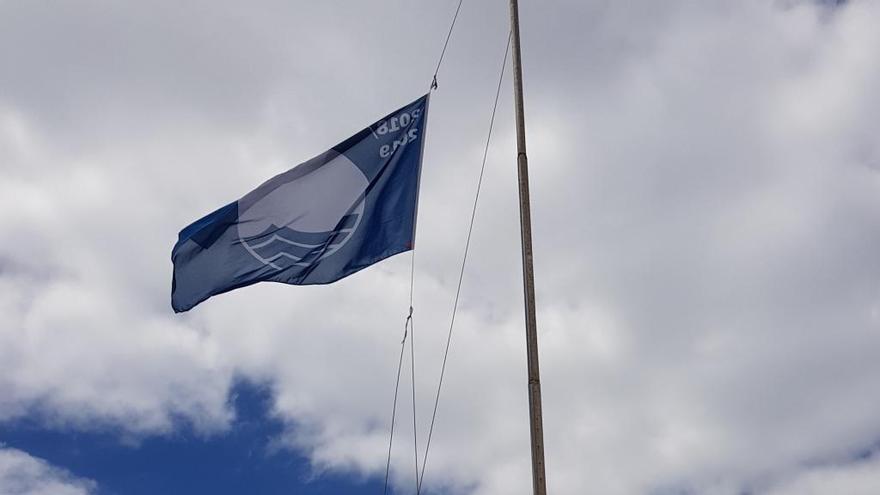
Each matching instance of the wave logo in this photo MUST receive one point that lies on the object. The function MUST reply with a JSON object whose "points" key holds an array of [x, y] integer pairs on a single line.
{"points": [[308, 213]]}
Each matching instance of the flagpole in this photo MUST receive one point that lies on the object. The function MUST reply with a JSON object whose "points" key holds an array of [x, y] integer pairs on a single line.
{"points": [[535, 422]]}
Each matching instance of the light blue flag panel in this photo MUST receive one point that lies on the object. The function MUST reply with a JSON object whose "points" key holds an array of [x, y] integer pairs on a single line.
{"points": [[320, 221]]}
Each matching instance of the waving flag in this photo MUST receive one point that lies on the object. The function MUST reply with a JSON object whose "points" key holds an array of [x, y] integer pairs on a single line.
{"points": [[320, 221]]}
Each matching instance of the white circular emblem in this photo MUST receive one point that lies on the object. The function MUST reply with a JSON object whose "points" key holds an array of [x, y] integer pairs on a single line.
{"points": [[306, 218]]}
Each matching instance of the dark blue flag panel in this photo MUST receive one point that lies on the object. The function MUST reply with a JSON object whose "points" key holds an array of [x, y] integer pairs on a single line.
{"points": [[318, 222]]}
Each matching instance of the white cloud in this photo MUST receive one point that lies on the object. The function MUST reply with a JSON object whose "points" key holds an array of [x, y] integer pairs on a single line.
{"points": [[706, 205], [23, 474]]}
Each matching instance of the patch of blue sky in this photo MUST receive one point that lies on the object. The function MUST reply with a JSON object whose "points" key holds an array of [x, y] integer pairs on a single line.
{"points": [[240, 460]]}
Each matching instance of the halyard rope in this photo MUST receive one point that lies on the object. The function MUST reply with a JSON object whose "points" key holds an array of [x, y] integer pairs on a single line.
{"points": [[445, 44], [408, 325], [463, 263]]}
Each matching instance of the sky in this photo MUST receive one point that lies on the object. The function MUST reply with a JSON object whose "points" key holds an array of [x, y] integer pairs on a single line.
{"points": [[706, 209]]}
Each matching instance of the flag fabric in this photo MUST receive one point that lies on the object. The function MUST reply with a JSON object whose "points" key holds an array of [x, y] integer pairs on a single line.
{"points": [[320, 221]]}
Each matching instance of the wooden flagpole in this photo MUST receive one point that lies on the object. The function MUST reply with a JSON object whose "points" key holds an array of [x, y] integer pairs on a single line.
{"points": [[535, 421]]}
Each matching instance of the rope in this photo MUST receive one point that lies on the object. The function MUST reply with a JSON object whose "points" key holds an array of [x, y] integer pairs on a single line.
{"points": [[394, 408], [412, 343], [445, 44], [412, 354], [463, 263], [408, 327]]}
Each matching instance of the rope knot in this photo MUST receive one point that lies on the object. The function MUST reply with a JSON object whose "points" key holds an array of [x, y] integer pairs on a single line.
{"points": [[406, 324]]}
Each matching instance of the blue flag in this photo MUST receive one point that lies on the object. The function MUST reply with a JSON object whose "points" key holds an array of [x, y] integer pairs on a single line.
{"points": [[318, 222]]}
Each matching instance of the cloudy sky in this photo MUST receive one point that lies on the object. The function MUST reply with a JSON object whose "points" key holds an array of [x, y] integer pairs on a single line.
{"points": [[706, 208]]}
